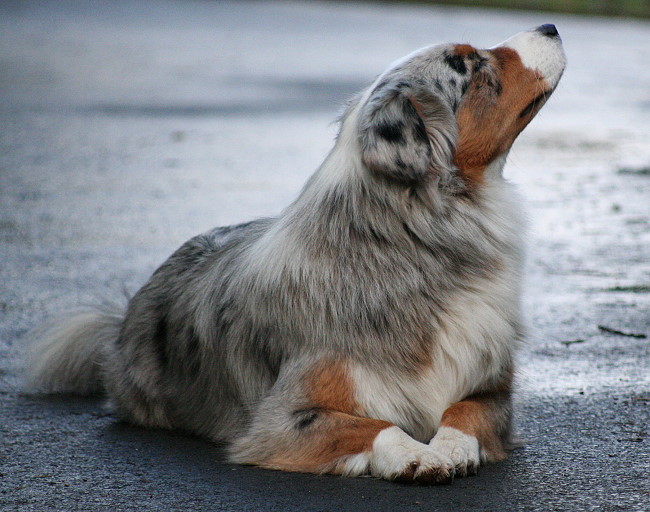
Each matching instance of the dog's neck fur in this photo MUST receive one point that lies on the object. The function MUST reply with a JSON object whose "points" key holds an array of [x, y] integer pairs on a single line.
{"points": [[345, 227], [427, 211], [347, 233]]}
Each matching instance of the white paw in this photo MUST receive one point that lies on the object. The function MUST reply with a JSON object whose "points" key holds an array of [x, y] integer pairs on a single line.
{"points": [[396, 456], [461, 448]]}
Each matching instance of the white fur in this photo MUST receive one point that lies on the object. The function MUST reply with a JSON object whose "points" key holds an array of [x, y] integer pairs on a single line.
{"points": [[539, 52], [416, 404], [461, 448], [394, 453], [355, 465], [475, 328]]}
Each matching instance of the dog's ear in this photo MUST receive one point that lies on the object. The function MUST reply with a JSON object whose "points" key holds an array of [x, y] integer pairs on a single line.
{"points": [[407, 133]]}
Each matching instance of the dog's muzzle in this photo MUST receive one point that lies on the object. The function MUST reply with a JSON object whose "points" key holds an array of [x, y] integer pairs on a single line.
{"points": [[540, 48]]}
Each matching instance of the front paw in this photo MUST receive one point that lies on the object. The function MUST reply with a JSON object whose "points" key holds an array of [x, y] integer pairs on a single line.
{"points": [[396, 456], [461, 448]]}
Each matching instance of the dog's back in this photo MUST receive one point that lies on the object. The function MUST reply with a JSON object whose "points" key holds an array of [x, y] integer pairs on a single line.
{"points": [[163, 360]]}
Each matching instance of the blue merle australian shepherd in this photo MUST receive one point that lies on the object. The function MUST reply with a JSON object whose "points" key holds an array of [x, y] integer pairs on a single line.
{"points": [[371, 327]]}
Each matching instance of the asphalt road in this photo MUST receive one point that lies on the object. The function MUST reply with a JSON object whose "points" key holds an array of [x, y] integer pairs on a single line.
{"points": [[127, 127]]}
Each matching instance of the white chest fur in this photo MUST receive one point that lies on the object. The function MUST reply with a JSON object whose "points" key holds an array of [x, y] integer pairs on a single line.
{"points": [[472, 344], [473, 340]]}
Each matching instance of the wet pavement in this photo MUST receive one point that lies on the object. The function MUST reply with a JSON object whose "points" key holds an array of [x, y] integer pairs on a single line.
{"points": [[128, 127]]}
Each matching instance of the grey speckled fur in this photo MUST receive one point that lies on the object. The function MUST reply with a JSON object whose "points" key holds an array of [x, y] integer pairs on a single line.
{"points": [[367, 266]]}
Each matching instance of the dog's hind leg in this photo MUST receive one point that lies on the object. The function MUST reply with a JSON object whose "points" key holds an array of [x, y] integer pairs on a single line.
{"points": [[312, 423]]}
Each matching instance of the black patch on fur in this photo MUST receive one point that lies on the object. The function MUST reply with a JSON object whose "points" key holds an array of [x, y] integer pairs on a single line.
{"points": [[305, 417], [457, 63], [160, 342], [480, 64], [464, 87], [392, 132], [378, 321], [438, 85], [452, 82], [418, 129]]}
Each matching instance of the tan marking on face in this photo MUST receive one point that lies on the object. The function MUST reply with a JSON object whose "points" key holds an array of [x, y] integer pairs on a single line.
{"points": [[475, 418], [489, 122]]}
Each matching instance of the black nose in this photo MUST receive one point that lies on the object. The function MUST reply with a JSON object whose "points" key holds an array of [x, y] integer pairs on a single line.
{"points": [[548, 30]]}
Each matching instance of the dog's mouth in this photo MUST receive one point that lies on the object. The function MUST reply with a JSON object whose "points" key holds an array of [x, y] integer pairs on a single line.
{"points": [[536, 103], [533, 105]]}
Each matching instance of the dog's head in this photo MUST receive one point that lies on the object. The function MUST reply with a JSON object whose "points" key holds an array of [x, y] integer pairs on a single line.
{"points": [[455, 109]]}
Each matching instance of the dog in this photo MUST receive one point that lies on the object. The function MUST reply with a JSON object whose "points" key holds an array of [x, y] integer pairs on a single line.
{"points": [[371, 327]]}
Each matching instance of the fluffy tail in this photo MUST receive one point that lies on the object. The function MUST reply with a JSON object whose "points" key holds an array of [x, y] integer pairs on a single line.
{"points": [[66, 354]]}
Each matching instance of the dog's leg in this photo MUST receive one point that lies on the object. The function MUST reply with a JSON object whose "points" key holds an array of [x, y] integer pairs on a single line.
{"points": [[313, 424], [475, 430]]}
